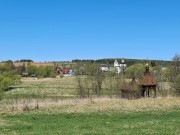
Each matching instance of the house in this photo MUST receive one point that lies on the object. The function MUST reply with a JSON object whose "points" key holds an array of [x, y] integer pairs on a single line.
{"points": [[65, 71], [104, 69]]}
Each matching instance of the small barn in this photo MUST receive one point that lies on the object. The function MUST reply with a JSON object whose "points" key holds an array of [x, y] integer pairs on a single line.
{"points": [[147, 83]]}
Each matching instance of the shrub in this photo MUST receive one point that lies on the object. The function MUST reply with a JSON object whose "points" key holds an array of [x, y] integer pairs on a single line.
{"points": [[135, 71], [7, 79], [44, 72], [177, 85], [1, 94], [31, 69]]}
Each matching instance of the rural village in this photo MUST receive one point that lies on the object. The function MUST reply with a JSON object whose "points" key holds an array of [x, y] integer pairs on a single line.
{"points": [[89, 67], [88, 87], [135, 81]]}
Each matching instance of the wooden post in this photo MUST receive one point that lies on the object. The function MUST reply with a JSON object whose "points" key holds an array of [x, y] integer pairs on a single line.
{"points": [[147, 91], [142, 92], [155, 92]]}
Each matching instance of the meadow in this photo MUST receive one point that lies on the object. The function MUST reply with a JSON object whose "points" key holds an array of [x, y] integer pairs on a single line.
{"points": [[51, 106], [43, 88]]}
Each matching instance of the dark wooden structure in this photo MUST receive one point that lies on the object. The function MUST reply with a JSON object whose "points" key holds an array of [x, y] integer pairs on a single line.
{"points": [[147, 83]]}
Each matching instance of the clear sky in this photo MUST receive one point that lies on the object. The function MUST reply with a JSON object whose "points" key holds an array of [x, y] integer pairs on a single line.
{"points": [[47, 30]]}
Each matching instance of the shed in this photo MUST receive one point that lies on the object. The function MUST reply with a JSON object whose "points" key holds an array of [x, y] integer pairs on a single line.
{"points": [[147, 83]]}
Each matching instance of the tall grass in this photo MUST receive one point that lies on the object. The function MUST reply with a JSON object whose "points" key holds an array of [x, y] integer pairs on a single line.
{"points": [[90, 105]]}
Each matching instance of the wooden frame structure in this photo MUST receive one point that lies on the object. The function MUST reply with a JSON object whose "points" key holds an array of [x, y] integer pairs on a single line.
{"points": [[147, 83]]}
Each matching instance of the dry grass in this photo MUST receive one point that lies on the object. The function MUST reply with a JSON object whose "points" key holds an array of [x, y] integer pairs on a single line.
{"points": [[61, 87], [92, 105], [34, 63], [51, 90]]}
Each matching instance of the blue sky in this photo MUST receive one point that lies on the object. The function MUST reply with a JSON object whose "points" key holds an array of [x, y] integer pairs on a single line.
{"points": [[46, 30]]}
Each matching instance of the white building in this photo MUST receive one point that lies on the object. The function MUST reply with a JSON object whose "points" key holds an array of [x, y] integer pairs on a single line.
{"points": [[120, 67], [104, 69]]}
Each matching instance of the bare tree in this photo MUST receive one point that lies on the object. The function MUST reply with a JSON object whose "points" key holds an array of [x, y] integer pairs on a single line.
{"points": [[80, 80], [174, 73], [95, 76], [89, 79]]}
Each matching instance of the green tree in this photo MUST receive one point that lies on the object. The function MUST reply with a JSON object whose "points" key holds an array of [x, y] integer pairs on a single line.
{"points": [[31, 69], [50, 71], [44, 72], [175, 73], [41, 72], [172, 73], [157, 70], [8, 66], [134, 71], [112, 72], [167, 74], [7, 79], [177, 85]]}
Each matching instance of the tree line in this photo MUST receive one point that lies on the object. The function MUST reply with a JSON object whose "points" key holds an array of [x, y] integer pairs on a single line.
{"points": [[129, 62]]}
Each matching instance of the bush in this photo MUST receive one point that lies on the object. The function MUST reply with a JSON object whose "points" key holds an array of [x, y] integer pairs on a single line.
{"points": [[177, 85], [52, 75], [134, 71], [44, 72], [61, 75], [31, 69], [7, 79], [1, 94]]}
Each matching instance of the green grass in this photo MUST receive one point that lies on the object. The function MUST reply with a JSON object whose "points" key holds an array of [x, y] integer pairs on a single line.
{"points": [[104, 116], [116, 123], [43, 88]]}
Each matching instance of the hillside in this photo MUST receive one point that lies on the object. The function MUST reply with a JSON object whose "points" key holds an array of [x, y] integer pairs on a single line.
{"points": [[129, 62]]}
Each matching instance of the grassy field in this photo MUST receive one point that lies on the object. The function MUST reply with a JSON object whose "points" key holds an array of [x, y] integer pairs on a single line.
{"points": [[95, 116], [149, 123], [50, 106], [44, 88], [57, 88]]}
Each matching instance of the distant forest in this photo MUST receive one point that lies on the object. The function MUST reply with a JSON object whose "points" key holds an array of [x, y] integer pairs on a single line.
{"points": [[110, 61], [24, 60], [129, 62]]}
